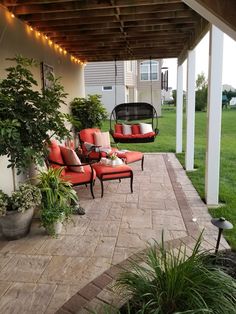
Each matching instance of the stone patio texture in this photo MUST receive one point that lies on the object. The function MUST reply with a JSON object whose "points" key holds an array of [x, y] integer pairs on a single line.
{"points": [[39, 274]]}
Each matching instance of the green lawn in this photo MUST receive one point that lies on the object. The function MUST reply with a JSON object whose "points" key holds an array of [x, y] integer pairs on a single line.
{"points": [[165, 142]]}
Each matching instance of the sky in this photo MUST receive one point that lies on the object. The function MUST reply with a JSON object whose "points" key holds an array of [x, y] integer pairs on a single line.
{"points": [[202, 51]]}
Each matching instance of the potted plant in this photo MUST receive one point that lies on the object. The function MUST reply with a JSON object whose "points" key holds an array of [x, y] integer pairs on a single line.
{"points": [[88, 112], [114, 160], [28, 118], [58, 200], [17, 210]]}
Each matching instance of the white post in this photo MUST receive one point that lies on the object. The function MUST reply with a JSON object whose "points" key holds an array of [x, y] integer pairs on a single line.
{"points": [[179, 110], [190, 112], [214, 110]]}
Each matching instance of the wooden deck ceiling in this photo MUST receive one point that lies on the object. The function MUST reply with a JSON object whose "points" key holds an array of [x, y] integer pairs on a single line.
{"points": [[104, 30]]}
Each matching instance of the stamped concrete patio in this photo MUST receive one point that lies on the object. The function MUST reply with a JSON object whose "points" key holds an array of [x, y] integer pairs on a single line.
{"points": [[39, 274]]}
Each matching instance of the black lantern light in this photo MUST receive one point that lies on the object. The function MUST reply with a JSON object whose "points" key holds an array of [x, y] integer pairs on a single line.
{"points": [[222, 224]]}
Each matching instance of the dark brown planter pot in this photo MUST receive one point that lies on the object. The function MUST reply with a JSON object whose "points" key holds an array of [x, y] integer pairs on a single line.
{"points": [[16, 225]]}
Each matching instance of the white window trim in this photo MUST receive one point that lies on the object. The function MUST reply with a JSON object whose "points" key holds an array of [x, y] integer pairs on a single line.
{"points": [[147, 63]]}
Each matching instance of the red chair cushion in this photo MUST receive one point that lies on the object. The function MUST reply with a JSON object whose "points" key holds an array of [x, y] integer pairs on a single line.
{"points": [[55, 155], [135, 129], [86, 135], [79, 177], [106, 170], [118, 128]]}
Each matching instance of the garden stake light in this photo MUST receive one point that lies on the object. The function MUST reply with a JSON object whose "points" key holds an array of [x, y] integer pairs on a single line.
{"points": [[222, 224]]}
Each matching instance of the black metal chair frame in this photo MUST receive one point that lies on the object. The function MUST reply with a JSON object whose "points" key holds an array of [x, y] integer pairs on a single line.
{"points": [[132, 112], [91, 180], [86, 156]]}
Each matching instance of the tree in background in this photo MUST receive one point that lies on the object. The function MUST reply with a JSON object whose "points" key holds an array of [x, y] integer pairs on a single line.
{"points": [[174, 96], [201, 92]]}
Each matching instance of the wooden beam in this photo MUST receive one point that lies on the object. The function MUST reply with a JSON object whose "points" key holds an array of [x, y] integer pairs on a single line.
{"points": [[161, 9], [219, 13], [27, 7], [125, 19]]}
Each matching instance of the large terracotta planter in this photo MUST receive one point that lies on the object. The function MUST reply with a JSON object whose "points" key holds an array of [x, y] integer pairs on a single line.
{"points": [[16, 225]]}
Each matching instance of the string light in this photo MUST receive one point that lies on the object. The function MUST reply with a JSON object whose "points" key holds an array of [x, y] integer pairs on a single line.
{"points": [[50, 42]]}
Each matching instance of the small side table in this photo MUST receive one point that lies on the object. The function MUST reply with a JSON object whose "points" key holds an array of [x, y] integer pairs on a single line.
{"points": [[105, 173]]}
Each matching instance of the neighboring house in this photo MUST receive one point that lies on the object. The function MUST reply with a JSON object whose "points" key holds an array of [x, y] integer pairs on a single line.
{"points": [[125, 81]]}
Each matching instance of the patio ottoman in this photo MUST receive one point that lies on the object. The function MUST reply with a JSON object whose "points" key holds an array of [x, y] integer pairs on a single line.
{"points": [[131, 156], [105, 172]]}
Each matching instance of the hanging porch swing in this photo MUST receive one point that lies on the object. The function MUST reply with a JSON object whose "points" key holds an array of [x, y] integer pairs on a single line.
{"points": [[134, 132], [125, 124]]}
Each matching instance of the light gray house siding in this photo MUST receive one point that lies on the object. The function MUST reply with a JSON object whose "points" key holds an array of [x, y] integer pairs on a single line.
{"points": [[126, 86], [100, 77]]}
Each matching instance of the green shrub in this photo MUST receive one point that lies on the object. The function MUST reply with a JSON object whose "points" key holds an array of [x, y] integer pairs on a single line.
{"points": [[88, 112]]}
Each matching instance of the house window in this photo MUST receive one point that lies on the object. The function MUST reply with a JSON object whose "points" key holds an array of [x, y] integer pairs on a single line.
{"points": [[107, 88], [149, 70]]}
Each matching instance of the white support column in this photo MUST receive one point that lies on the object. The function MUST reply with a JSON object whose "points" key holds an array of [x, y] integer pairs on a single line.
{"points": [[214, 111], [179, 110], [190, 112]]}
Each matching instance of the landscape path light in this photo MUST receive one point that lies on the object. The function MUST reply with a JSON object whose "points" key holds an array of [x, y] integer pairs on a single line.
{"points": [[222, 224]]}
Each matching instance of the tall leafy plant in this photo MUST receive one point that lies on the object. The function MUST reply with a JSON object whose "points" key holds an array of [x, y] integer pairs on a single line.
{"points": [[88, 112], [58, 198], [28, 118]]}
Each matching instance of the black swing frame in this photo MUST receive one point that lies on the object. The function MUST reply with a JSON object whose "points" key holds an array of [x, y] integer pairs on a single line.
{"points": [[132, 112]]}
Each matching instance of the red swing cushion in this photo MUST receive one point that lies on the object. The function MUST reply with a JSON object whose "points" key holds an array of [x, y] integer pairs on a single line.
{"points": [[136, 132]]}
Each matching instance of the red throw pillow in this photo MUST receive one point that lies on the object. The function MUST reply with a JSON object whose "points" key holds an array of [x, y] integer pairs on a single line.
{"points": [[118, 128], [135, 129]]}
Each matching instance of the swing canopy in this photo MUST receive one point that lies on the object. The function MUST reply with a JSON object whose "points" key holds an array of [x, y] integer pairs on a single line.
{"points": [[128, 128]]}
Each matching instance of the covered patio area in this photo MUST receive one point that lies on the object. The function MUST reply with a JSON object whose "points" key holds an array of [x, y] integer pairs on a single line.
{"points": [[40, 274]]}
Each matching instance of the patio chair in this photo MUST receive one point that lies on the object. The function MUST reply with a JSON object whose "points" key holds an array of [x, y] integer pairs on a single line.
{"points": [[96, 144], [74, 171]]}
